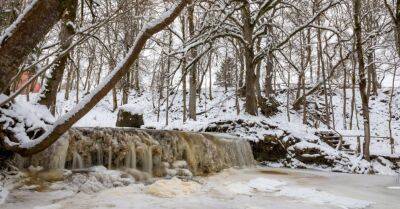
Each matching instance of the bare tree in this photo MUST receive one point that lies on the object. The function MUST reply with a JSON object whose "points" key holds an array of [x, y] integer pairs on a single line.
{"points": [[65, 122]]}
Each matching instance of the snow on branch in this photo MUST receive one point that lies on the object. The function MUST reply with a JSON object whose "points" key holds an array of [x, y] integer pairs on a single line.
{"points": [[10, 30], [300, 28], [61, 125]]}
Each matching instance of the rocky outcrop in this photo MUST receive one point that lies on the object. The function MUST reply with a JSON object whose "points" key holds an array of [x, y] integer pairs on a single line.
{"points": [[284, 149], [272, 148], [128, 119]]}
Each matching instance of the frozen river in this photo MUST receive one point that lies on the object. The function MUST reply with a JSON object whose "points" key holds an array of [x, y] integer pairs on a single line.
{"points": [[252, 188]]}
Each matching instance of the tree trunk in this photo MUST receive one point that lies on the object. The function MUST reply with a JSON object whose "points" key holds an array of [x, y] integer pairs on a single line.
{"points": [[392, 150], [288, 97], [69, 82], [344, 113], [269, 67], [362, 77], [353, 89], [49, 97], [169, 82], [324, 78], [268, 90], [251, 78], [373, 81], [210, 77], [193, 70], [184, 79]]}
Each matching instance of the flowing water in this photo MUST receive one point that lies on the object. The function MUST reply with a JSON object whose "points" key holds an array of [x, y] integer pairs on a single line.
{"points": [[77, 162], [130, 159]]}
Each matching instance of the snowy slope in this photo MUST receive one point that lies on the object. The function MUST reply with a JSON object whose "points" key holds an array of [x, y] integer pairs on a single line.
{"points": [[222, 107]]}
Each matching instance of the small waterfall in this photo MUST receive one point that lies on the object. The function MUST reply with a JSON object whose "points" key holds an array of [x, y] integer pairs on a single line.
{"points": [[130, 159], [149, 151], [77, 162]]}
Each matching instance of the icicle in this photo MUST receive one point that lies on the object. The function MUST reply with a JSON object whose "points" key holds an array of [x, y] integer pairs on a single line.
{"points": [[77, 162], [109, 157], [21, 162], [148, 160], [99, 154], [59, 152], [57, 162], [130, 159], [145, 158]]}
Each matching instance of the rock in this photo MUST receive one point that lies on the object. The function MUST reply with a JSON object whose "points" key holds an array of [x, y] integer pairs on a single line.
{"points": [[54, 175], [179, 164], [184, 172], [5, 155], [172, 188], [269, 149], [138, 175], [34, 169], [171, 172], [128, 118], [269, 107], [312, 155], [159, 170]]}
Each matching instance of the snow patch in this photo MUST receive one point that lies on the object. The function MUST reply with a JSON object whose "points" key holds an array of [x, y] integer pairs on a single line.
{"points": [[280, 188], [134, 109], [3, 195], [29, 117], [53, 206], [98, 179], [258, 184], [266, 185], [239, 188], [321, 197]]}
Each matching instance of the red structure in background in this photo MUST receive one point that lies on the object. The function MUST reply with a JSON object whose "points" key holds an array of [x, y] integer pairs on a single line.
{"points": [[33, 88]]}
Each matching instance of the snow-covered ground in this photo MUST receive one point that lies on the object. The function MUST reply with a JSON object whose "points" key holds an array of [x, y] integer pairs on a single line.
{"points": [[252, 188]]}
